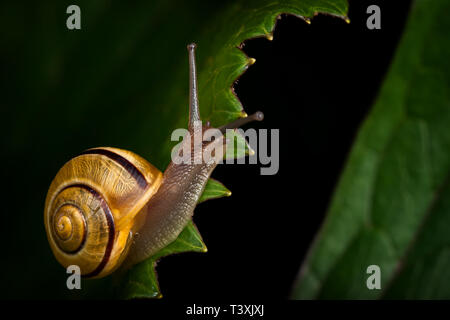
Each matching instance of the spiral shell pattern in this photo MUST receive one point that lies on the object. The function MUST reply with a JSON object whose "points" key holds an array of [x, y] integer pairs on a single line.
{"points": [[79, 210]]}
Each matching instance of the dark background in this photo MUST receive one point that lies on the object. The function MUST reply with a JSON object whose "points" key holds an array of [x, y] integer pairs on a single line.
{"points": [[315, 83]]}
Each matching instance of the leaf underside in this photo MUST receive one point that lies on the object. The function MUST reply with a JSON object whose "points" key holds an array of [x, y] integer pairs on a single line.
{"points": [[392, 205], [220, 63]]}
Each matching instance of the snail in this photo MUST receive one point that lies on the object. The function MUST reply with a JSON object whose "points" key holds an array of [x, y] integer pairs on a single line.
{"points": [[109, 208]]}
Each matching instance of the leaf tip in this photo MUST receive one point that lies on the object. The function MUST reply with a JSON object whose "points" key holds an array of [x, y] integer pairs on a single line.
{"points": [[251, 61], [269, 36], [347, 19], [307, 20], [243, 114]]}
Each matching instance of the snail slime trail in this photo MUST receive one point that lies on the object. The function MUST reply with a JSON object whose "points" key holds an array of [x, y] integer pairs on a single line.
{"points": [[116, 194]]}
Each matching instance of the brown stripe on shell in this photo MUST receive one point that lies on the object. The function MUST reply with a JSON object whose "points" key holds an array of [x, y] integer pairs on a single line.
{"points": [[127, 165]]}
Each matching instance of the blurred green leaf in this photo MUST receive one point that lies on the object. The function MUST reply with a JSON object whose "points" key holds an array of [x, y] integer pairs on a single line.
{"points": [[391, 207]]}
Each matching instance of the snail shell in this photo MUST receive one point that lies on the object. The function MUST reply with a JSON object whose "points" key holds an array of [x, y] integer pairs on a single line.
{"points": [[92, 205]]}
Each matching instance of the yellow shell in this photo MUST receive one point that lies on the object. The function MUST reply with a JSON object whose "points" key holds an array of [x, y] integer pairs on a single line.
{"points": [[92, 205]]}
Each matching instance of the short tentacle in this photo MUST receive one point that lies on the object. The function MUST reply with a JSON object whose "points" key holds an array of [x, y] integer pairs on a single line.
{"points": [[257, 116]]}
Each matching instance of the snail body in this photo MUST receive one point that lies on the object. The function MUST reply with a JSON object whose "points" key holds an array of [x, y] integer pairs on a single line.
{"points": [[109, 207]]}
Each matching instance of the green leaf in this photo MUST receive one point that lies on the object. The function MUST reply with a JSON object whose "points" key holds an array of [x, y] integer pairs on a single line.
{"points": [[142, 281], [391, 207], [237, 147], [213, 190]]}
